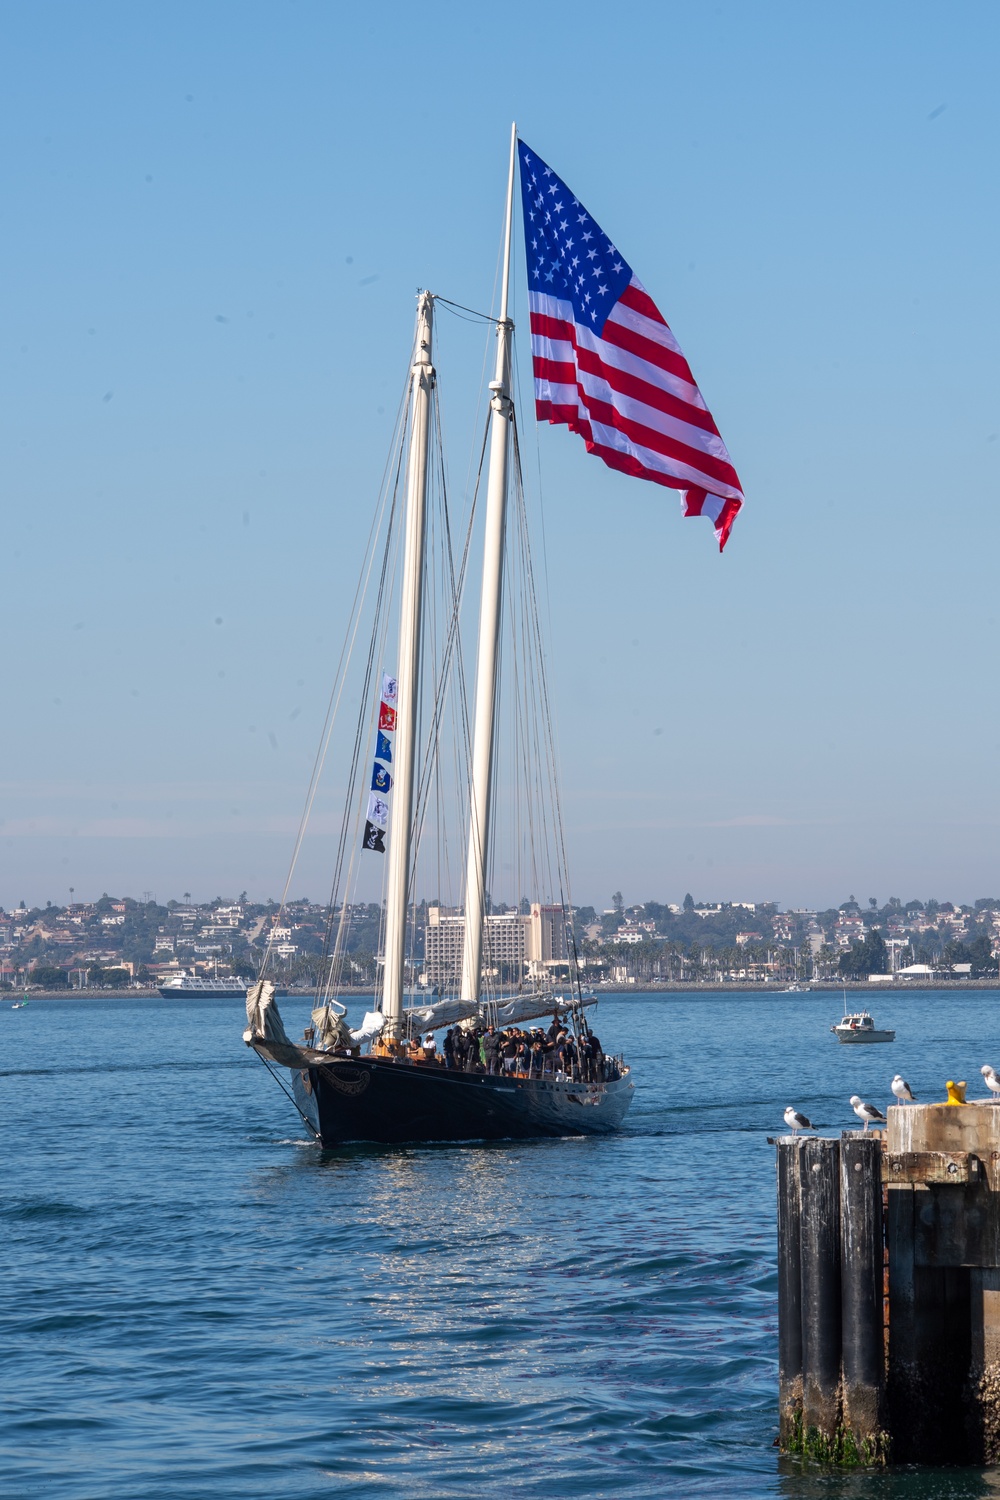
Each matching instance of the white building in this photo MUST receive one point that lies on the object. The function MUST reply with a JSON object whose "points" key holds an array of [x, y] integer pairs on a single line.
{"points": [[536, 941]]}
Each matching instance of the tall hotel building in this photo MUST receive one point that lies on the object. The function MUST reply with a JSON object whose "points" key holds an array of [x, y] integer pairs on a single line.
{"points": [[537, 941]]}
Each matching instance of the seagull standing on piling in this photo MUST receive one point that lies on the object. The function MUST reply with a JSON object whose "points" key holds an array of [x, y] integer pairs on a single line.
{"points": [[866, 1112], [796, 1121], [903, 1092], [992, 1081]]}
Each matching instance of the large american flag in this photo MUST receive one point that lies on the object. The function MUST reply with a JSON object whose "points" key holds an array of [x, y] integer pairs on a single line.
{"points": [[605, 361]]}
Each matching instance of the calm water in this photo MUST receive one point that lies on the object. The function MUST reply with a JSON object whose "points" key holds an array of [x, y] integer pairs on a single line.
{"points": [[197, 1303]]}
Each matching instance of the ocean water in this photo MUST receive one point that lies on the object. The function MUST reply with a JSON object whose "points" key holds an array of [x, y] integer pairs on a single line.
{"points": [[195, 1302]]}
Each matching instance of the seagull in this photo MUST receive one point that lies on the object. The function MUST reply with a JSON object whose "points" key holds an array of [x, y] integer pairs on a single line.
{"points": [[866, 1112], [904, 1093], [992, 1081], [796, 1121]]}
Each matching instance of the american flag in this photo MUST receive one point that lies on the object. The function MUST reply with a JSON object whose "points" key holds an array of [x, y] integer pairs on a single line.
{"points": [[605, 361]]}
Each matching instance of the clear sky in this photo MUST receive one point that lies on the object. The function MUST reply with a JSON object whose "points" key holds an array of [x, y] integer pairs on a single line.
{"points": [[216, 217]]}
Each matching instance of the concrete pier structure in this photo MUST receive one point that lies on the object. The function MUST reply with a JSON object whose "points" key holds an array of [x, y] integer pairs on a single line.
{"points": [[889, 1289], [942, 1174]]}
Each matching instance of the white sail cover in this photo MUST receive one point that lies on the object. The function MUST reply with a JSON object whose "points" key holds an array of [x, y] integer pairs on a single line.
{"points": [[369, 1029], [506, 1013], [444, 1013], [530, 1007], [263, 1017]]}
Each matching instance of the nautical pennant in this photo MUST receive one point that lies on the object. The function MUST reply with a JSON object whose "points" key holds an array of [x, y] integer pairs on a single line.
{"points": [[374, 839], [377, 820], [378, 810]]}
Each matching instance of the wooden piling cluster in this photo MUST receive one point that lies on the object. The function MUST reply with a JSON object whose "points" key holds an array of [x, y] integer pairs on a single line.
{"points": [[831, 1338], [889, 1290]]}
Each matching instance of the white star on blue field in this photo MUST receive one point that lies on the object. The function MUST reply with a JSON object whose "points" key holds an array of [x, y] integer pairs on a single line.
{"points": [[568, 252]]}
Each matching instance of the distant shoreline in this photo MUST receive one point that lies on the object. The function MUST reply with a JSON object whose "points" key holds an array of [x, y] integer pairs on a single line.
{"points": [[825, 986]]}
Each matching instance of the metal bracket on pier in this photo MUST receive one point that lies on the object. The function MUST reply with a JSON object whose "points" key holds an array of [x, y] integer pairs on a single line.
{"points": [[918, 1167]]}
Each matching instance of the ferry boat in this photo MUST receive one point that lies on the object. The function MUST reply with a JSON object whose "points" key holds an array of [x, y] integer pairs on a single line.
{"points": [[185, 986], [858, 1026]]}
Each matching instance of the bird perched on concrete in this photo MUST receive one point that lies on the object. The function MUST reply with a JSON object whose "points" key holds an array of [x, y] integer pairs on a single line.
{"points": [[956, 1092], [992, 1081], [866, 1112], [903, 1092], [796, 1121]]}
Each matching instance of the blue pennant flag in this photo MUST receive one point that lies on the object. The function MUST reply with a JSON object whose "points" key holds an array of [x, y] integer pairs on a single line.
{"points": [[381, 780], [383, 747]]}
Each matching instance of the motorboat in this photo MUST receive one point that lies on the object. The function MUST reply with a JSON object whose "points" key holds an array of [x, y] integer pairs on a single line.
{"points": [[858, 1026]]}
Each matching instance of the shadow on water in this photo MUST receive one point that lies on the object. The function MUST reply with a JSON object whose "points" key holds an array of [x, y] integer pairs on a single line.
{"points": [[798, 1481]]}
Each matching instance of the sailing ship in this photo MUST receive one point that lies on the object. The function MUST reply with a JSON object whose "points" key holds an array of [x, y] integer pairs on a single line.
{"points": [[635, 402]]}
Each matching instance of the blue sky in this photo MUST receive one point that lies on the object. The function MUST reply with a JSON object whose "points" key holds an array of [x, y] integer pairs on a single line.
{"points": [[217, 217]]}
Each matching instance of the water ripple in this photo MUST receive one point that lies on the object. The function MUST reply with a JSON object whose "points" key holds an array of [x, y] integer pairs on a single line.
{"points": [[198, 1305]]}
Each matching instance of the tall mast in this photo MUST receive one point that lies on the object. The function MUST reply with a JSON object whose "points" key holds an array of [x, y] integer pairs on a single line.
{"points": [[489, 628], [408, 670]]}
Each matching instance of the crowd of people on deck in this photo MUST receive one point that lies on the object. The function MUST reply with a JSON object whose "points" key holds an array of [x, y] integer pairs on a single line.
{"points": [[559, 1052]]}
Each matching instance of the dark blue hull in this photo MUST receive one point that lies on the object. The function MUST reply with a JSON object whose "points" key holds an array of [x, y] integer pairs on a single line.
{"points": [[372, 1099]]}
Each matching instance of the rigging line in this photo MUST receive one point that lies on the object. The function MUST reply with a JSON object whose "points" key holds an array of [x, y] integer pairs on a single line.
{"points": [[472, 451], [485, 317], [453, 644], [359, 727], [376, 651], [519, 405], [548, 717], [309, 1124], [346, 651], [533, 652]]}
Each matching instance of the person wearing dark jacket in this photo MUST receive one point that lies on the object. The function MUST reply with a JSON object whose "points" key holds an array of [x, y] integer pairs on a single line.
{"points": [[491, 1050]]}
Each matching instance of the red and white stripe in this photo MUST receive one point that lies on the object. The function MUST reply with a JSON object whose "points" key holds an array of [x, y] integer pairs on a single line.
{"points": [[631, 396]]}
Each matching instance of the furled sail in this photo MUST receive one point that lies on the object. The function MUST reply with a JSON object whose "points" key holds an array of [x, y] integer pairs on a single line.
{"points": [[331, 1030], [263, 1017], [444, 1013], [505, 1013], [530, 1007]]}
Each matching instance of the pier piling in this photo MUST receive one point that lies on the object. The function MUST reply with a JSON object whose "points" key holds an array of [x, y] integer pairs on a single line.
{"points": [[915, 1374], [861, 1281], [830, 1327], [789, 1294], [819, 1257]]}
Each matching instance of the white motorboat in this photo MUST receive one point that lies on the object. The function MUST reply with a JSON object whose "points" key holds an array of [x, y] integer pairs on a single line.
{"points": [[858, 1026]]}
